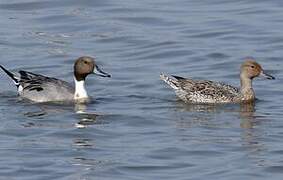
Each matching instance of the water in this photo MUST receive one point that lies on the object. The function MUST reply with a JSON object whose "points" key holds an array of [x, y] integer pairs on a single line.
{"points": [[136, 128]]}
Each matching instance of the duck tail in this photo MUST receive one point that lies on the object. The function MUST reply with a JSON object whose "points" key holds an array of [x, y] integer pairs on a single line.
{"points": [[11, 75], [171, 82]]}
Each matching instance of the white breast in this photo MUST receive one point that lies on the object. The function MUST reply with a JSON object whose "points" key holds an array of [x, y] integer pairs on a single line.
{"points": [[80, 91]]}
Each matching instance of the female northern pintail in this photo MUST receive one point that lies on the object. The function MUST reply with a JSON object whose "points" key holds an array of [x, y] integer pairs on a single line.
{"points": [[39, 88], [202, 91]]}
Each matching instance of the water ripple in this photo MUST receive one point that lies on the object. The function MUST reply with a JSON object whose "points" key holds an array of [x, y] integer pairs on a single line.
{"points": [[135, 127]]}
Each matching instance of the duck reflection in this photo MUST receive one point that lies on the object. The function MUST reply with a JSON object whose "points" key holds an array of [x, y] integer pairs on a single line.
{"points": [[83, 143], [225, 117], [203, 114], [41, 110], [87, 119], [247, 115]]}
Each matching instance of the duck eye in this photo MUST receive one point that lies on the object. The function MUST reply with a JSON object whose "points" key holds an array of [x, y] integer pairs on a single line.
{"points": [[252, 66], [85, 62]]}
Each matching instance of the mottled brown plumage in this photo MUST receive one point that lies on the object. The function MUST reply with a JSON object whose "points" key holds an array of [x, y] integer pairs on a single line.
{"points": [[205, 91]]}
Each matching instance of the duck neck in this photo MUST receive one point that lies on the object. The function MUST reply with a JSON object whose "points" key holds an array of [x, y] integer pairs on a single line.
{"points": [[80, 91], [246, 88]]}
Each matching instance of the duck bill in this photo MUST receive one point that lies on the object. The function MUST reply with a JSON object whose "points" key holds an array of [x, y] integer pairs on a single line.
{"points": [[265, 75], [99, 72]]}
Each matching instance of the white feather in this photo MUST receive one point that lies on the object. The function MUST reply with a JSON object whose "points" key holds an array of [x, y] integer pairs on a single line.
{"points": [[80, 91]]}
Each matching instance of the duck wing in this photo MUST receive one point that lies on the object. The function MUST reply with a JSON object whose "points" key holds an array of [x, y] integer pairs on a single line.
{"points": [[207, 91]]}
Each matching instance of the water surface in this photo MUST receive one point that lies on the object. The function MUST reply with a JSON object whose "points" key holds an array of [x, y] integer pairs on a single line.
{"points": [[136, 128]]}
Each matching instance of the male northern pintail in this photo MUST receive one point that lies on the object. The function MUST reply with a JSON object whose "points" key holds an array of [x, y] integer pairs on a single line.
{"points": [[203, 91], [39, 88]]}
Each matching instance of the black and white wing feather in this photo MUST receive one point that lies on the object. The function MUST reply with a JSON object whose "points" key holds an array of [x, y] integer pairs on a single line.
{"points": [[40, 88]]}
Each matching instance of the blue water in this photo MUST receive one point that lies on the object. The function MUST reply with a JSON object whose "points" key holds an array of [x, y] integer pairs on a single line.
{"points": [[136, 128]]}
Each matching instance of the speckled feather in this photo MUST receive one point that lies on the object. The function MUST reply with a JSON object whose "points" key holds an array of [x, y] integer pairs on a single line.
{"points": [[202, 91], [205, 91]]}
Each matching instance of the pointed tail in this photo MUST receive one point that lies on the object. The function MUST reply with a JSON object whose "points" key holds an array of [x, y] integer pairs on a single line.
{"points": [[171, 82], [11, 75]]}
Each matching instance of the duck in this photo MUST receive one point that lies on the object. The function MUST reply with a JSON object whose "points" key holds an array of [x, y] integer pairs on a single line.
{"points": [[211, 92], [40, 88]]}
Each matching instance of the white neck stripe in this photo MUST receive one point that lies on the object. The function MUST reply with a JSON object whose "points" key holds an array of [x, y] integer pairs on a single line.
{"points": [[80, 91]]}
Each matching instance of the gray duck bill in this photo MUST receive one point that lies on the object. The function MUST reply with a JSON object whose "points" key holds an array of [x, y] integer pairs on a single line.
{"points": [[99, 72], [267, 76]]}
